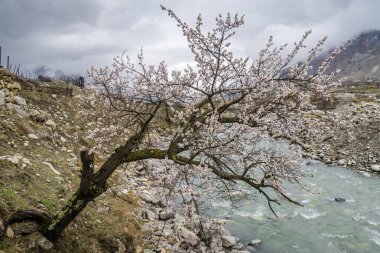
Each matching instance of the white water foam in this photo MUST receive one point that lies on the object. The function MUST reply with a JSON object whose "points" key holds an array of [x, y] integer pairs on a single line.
{"points": [[309, 213], [257, 215], [375, 240], [343, 176], [361, 218], [336, 236]]}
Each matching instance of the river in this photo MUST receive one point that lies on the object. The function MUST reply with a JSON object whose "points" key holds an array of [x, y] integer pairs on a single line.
{"points": [[322, 225]]}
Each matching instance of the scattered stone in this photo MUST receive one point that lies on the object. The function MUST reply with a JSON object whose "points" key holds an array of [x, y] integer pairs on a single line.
{"points": [[2, 97], [38, 116], [103, 209], [33, 136], [340, 199], [342, 162], [51, 123], [13, 86], [375, 167], [10, 233], [148, 214], [188, 235], [166, 215], [229, 241], [20, 101], [44, 243], [255, 243], [121, 246], [2, 228], [20, 111], [25, 160], [149, 198], [238, 246]]}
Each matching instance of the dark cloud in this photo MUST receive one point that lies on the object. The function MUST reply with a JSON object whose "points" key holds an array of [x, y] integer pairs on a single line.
{"points": [[72, 35]]}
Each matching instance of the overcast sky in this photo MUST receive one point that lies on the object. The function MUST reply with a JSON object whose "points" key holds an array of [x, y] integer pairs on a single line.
{"points": [[73, 35]]}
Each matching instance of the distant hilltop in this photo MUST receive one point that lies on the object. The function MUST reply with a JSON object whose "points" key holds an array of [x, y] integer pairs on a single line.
{"points": [[360, 61]]}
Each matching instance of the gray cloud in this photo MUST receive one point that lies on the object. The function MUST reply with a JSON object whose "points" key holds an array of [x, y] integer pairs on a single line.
{"points": [[73, 35]]}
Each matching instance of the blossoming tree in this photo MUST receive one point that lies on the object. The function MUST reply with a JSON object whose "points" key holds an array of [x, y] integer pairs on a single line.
{"points": [[207, 122]]}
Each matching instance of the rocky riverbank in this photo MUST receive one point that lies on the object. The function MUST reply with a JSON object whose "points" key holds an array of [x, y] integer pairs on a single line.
{"points": [[352, 143], [167, 229]]}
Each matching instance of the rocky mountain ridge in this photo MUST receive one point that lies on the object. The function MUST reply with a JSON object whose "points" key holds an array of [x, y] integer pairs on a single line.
{"points": [[359, 62]]}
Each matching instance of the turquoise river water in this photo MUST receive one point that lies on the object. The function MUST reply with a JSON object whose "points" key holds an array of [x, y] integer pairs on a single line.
{"points": [[322, 225]]}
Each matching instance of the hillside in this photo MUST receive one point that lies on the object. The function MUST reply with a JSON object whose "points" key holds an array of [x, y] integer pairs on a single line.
{"points": [[40, 138], [360, 61]]}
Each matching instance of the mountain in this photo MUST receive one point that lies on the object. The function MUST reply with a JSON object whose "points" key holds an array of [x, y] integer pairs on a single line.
{"points": [[360, 61]]}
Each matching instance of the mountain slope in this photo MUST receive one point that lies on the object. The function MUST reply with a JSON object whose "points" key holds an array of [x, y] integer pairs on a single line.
{"points": [[360, 61]]}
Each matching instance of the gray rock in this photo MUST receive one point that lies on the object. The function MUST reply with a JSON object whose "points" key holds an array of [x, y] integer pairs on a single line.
{"points": [[238, 246], [166, 214], [228, 241], [33, 136], [2, 98], [149, 198], [51, 124], [9, 232], [340, 199], [188, 235], [20, 111], [44, 243], [375, 167], [255, 243], [20, 101], [364, 173], [342, 162], [148, 214]]}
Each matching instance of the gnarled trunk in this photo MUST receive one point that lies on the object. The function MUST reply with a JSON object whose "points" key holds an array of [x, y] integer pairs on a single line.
{"points": [[87, 192], [77, 203]]}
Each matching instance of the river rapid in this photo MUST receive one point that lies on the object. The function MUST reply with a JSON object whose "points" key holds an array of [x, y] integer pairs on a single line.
{"points": [[322, 225]]}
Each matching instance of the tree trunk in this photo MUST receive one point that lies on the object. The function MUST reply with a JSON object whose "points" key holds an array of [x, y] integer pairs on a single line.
{"points": [[68, 214], [87, 192], [92, 184]]}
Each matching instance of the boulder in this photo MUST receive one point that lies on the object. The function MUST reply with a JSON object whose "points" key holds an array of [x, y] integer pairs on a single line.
{"points": [[166, 214], [51, 123], [188, 235], [375, 167], [149, 198], [148, 214], [38, 116], [342, 162], [13, 86], [229, 241], [20, 111], [19, 101], [33, 136], [37, 240], [238, 246], [340, 199], [255, 243]]}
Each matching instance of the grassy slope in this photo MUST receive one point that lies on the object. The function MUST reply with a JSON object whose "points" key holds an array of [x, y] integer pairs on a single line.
{"points": [[36, 185]]}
